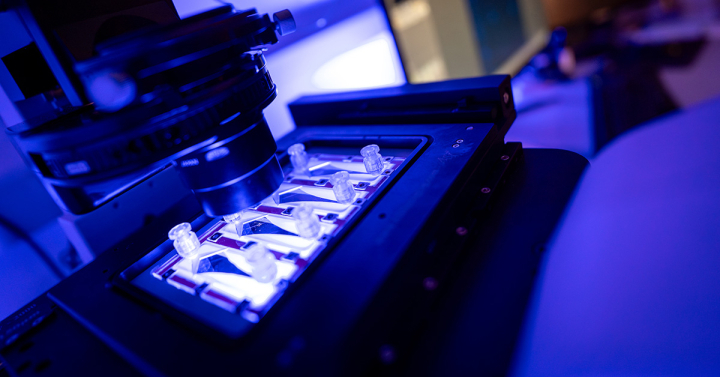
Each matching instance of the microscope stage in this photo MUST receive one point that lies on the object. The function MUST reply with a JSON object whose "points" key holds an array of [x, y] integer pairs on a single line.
{"points": [[224, 278]]}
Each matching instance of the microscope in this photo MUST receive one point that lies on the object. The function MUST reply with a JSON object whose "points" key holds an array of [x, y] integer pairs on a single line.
{"points": [[321, 253]]}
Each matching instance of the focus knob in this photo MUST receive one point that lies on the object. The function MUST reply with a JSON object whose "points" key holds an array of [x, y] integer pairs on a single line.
{"points": [[284, 22]]}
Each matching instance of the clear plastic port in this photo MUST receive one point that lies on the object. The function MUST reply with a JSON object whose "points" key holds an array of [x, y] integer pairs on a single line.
{"points": [[343, 189], [308, 224], [372, 159]]}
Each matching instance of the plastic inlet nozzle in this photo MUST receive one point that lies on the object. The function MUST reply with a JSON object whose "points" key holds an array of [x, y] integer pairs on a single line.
{"points": [[372, 159], [299, 158], [342, 188], [307, 222], [263, 263], [185, 240]]}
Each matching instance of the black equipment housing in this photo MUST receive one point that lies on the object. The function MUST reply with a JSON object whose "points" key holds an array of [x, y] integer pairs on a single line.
{"points": [[363, 306], [149, 91]]}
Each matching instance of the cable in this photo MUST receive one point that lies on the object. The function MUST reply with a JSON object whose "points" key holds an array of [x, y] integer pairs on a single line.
{"points": [[19, 233]]}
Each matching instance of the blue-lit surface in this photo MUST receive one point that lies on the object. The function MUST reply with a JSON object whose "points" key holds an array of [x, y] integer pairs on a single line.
{"points": [[368, 66], [631, 283], [24, 201]]}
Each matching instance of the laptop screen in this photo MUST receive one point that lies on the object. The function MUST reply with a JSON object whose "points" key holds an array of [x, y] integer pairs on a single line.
{"points": [[449, 39]]}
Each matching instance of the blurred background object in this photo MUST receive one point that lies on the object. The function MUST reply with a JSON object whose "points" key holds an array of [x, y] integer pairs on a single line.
{"points": [[629, 283], [441, 40], [607, 65], [569, 12], [631, 62]]}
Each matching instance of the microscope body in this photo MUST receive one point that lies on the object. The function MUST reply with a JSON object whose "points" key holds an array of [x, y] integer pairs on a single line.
{"points": [[109, 94]]}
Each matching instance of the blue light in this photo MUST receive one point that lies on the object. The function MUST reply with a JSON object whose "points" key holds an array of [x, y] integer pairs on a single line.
{"points": [[367, 66]]}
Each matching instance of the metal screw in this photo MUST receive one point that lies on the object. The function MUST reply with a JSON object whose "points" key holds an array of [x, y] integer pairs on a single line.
{"points": [[470, 128], [459, 141], [506, 98], [461, 231], [505, 157], [284, 22], [430, 283], [485, 190], [456, 145]]}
